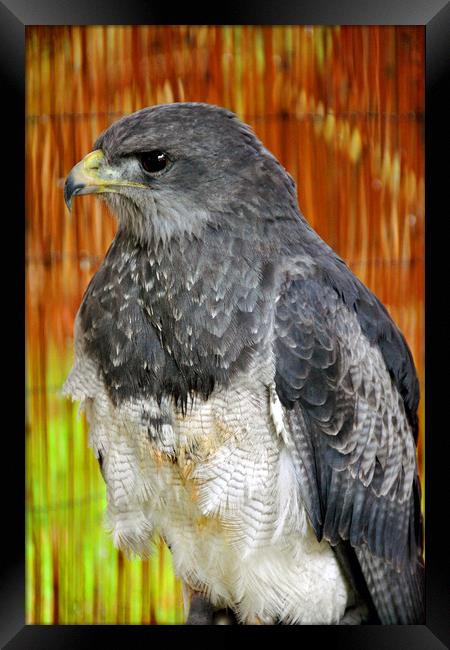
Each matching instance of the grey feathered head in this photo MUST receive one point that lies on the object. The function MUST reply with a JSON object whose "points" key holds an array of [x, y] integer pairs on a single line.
{"points": [[169, 169]]}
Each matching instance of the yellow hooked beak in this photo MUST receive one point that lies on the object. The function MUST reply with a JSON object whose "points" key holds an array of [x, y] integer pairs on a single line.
{"points": [[92, 176]]}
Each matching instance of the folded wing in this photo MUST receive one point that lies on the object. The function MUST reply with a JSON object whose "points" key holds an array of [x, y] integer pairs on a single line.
{"points": [[346, 380]]}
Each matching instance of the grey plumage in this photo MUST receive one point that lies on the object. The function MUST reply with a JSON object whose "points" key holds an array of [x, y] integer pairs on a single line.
{"points": [[216, 285]]}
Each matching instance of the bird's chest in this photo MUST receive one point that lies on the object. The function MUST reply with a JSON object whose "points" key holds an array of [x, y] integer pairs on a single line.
{"points": [[175, 322], [232, 517], [211, 460], [219, 484]]}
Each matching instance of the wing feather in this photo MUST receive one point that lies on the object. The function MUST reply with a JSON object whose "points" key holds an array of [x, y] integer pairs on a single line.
{"points": [[350, 414]]}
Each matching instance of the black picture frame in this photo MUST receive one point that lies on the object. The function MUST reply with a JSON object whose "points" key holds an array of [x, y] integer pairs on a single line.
{"points": [[15, 15]]}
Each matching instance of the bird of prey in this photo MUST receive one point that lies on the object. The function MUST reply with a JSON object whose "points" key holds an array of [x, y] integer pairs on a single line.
{"points": [[248, 398]]}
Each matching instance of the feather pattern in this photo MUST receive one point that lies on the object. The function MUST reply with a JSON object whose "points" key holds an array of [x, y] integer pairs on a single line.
{"points": [[346, 414], [221, 487]]}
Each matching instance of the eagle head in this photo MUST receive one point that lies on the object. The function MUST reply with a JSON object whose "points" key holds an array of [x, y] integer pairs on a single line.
{"points": [[171, 169]]}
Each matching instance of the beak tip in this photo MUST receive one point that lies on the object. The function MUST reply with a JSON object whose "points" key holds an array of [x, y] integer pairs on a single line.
{"points": [[71, 188], [83, 178]]}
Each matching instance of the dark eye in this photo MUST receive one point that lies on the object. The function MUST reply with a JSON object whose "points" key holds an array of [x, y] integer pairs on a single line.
{"points": [[153, 161]]}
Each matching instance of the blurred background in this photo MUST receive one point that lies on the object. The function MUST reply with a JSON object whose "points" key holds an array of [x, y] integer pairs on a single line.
{"points": [[342, 109]]}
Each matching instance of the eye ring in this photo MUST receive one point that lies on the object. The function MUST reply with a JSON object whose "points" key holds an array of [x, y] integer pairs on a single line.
{"points": [[154, 162]]}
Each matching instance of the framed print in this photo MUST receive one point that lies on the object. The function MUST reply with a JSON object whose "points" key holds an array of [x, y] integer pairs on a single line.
{"points": [[342, 100]]}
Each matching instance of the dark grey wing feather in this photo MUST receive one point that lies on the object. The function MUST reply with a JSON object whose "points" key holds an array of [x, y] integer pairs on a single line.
{"points": [[352, 432], [397, 596]]}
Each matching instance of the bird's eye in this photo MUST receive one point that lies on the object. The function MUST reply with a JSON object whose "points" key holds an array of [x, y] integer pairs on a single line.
{"points": [[154, 161]]}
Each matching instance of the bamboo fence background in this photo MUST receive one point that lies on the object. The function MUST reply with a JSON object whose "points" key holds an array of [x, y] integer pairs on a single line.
{"points": [[341, 107]]}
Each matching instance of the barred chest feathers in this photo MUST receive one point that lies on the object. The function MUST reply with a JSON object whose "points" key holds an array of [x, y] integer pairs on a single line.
{"points": [[219, 485]]}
